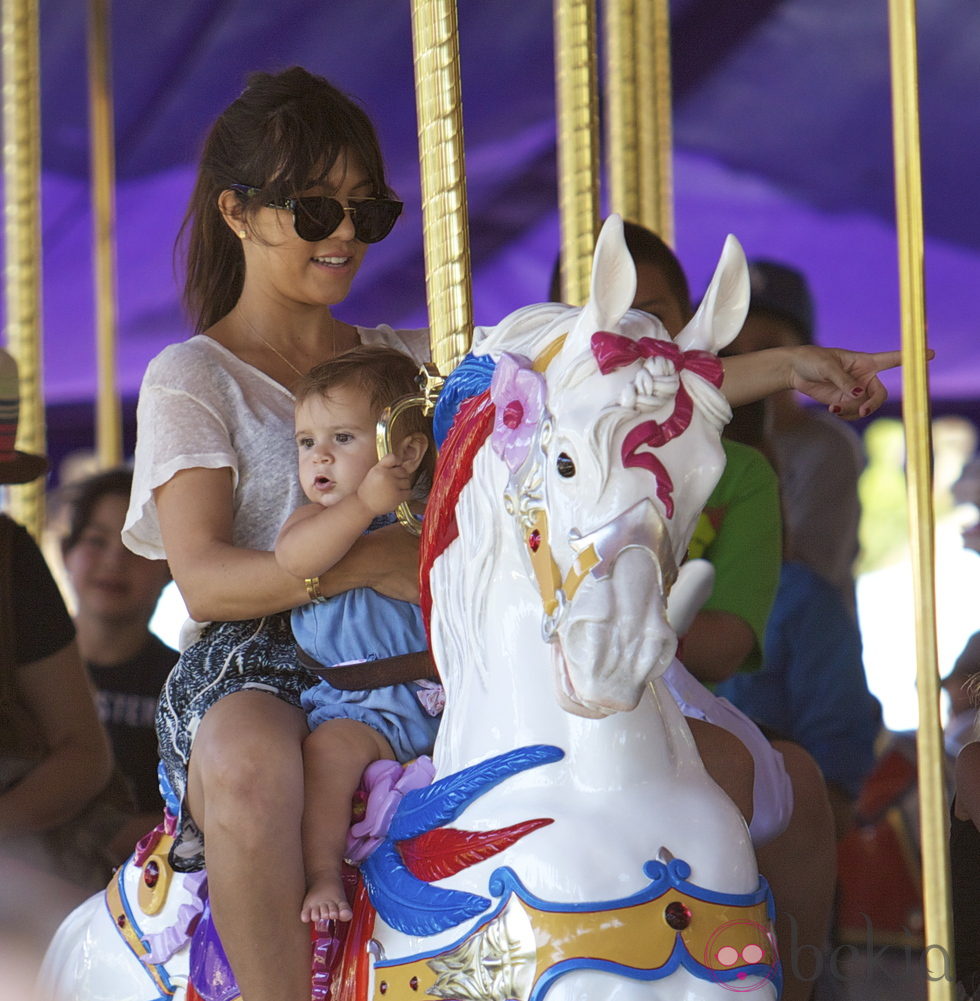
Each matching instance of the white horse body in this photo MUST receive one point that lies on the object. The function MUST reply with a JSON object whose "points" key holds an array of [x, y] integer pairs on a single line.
{"points": [[551, 626], [585, 678]]}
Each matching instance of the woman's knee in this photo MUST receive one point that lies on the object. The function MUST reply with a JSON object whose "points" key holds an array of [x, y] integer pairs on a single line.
{"points": [[240, 765]]}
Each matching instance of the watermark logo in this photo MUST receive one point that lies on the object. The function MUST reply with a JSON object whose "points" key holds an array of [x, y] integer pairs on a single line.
{"points": [[742, 944]]}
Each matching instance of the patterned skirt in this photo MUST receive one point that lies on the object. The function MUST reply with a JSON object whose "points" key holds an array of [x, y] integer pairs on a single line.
{"points": [[253, 654]]}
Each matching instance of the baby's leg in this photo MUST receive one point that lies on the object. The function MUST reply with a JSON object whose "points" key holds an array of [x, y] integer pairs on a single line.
{"points": [[335, 755]]}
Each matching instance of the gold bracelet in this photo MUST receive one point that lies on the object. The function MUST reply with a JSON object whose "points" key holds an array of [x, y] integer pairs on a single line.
{"points": [[313, 590]]}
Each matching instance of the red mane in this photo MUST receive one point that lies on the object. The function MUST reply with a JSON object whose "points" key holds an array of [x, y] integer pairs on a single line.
{"points": [[466, 437]]}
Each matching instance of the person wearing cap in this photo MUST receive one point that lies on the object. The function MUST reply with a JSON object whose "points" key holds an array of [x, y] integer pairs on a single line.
{"points": [[819, 458], [54, 754]]}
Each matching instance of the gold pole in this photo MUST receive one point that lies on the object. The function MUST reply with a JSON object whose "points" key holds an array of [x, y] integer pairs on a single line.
{"points": [[578, 145], [915, 408], [623, 133], [108, 412], [656, 134], [22, 233], [445, 225]]}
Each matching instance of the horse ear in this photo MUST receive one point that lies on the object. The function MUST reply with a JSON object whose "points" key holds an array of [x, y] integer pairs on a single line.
{"points": [[724, 306], [613, 276]]}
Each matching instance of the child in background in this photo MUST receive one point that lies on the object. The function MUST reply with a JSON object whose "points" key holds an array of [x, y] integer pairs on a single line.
{"points": [[352, 492]]}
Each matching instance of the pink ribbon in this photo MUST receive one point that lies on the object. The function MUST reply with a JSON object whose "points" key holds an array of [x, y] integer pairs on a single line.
{"points": [[612, 352]]}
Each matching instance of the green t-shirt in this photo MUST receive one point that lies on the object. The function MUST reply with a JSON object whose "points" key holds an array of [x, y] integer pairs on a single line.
{"points": [[740, 534]]}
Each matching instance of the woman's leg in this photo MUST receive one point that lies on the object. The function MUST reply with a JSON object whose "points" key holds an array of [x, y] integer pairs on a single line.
{"points": [[245, 791], [335, 755]]}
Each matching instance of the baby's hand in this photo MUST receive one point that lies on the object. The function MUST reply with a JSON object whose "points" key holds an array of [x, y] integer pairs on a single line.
{"points": [[386, 485]]}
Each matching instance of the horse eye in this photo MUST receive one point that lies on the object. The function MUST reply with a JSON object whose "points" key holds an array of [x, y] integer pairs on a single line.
{"points": [[565, 465]]}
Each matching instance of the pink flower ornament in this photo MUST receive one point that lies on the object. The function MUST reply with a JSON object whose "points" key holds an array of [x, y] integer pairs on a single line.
{"points": [[386, 782], [518, 394]]}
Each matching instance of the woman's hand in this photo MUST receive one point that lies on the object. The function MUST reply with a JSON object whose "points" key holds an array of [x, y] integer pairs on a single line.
{"points": [[845, 381]]}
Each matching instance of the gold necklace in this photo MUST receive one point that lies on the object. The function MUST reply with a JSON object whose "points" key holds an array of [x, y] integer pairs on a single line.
{"points": [[278, 353]]}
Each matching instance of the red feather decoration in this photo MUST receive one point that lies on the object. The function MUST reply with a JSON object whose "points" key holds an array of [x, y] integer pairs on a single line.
{"points": [[446, 850]]}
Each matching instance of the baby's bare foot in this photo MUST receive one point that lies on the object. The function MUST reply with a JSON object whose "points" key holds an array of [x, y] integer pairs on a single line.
{"points": [[325, 899]]}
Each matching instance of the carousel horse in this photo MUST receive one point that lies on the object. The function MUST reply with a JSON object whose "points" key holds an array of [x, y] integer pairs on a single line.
{"points": [[566, 840]]}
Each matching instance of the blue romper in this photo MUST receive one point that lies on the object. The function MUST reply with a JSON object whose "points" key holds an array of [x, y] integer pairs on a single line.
{"points": [[357, 626]]}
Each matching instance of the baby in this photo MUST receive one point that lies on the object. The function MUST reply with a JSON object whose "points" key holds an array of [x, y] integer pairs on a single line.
{"points": [[352, 492]]}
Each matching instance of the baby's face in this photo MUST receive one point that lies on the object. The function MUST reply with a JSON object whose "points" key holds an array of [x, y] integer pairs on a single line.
{"points": [[335, 441]]}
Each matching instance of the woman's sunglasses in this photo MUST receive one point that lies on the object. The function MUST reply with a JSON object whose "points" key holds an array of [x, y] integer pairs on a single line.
{"points": [[317, 216]]}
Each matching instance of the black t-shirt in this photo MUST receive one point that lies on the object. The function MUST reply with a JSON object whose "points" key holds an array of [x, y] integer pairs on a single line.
{"points": [[127, 696], [41, 623], [964, 856]]}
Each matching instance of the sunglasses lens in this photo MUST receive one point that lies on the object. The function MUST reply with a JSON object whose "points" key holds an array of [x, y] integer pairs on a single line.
{"points": [[316, 218], [374, 218]]}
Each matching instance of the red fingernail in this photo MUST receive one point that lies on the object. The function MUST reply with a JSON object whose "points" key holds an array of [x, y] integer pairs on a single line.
{"points": [[835, 409], [856, 391]]}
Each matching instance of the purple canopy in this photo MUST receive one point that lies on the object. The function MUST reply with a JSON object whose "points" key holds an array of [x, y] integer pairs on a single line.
{"points": [[782, 136]]}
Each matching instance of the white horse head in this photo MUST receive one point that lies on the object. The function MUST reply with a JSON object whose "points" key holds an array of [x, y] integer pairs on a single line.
{"points": [[610, 432]]}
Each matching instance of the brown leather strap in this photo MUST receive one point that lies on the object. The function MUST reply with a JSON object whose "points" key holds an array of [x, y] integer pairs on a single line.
{"points": [[374, 673]]}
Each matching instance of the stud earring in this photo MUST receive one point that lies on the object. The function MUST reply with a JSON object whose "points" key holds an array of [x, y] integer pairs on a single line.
{"points": [[242, 234]]}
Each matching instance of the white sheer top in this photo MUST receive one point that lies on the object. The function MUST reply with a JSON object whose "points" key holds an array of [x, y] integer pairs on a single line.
{"points": [[200, 406]]}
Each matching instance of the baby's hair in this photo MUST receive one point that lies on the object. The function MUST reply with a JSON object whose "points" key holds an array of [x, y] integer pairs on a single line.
{"points": [[385, 375]]}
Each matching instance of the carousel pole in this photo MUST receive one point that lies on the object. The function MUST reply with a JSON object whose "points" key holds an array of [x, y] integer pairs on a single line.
{"points": [[621, 24], [578, 143], [445, 225], [22, 234], [638, 101], [915, 410], [108, 411]]}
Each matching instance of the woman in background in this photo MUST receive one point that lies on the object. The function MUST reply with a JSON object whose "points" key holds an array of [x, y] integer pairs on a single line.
{"points": [[116, 593]]}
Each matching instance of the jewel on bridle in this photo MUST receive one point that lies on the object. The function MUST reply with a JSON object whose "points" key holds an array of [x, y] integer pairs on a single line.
{"points": [[534, 541], [513, 414]]}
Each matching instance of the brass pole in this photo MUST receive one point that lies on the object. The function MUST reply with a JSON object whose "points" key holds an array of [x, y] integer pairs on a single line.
{"points": [[623, 133], [656, 134], [108, 411], [22, 234], [915, 408], [445, 225], [578, 144]]}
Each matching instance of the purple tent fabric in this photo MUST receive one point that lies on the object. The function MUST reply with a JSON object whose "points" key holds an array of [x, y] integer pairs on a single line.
{"points": [[782, 131]]}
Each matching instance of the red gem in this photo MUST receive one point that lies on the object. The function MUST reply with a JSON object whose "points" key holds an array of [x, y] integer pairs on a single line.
{"points": [[513, 414], [151, 874], [383, 987], [677, 915], [121, 921], [534, 541], [414, 983]]}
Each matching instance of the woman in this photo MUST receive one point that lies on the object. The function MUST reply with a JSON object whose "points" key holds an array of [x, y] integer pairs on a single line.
{"points": [[116, 594], [290, 190], [215, 478]]}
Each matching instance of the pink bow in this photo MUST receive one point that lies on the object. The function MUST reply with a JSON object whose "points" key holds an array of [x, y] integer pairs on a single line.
{"points": [[612, 352]]}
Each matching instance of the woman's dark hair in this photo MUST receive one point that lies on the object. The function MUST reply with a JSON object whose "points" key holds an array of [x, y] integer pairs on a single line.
{"points": [[384, 375], [81, 499], [281, 136]]}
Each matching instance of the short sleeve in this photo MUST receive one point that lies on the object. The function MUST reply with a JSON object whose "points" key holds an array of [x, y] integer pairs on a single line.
{"points": [[177, 428]]}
